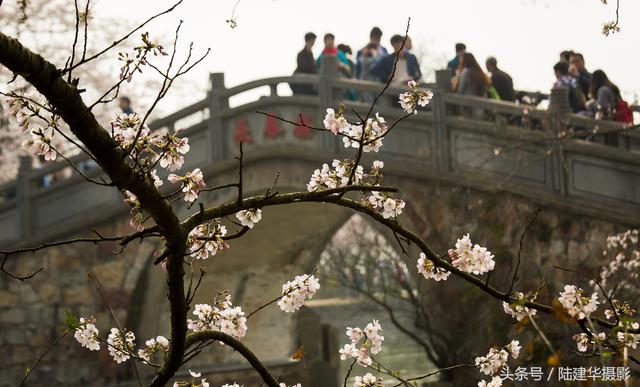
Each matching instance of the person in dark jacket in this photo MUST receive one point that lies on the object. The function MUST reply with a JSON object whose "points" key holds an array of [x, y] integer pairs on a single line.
{"points": [[372, 50], [501, 81], [306, 64], [579, 72], [453, 64], [407, 68]]}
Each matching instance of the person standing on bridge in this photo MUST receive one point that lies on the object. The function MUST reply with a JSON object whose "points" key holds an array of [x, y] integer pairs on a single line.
{"points": [[371, 52], [306, 64], [501, 81], [454, 63], [407, 68], [471, 80], [330, 49], [579, 72]]}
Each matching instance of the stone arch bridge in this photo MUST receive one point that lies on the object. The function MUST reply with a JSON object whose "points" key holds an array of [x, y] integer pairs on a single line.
{"points": [[463, 163]]}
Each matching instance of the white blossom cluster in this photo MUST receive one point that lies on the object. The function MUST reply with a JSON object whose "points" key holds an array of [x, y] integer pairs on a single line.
{"points": [[410, 100], [338, 176], [121, 344], [152, 346], [223, 317], [583, 340], [206, 240], [496, 359], [624, 336], [87, 334], [623, 251], [194, 383], [335, 122], [137, 216], [384, 204], [576, 304], [294, 293], [249, 218], [42, 138], [370, 340], [192, 183], [41, 144], [369, 135], [431, 271], [516, 309], [496, 381], [471, 258], [368, 380]]}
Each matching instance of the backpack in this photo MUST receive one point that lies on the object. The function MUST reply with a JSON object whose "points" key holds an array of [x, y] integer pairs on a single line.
{"points": [[493, 93], [623, 112]]}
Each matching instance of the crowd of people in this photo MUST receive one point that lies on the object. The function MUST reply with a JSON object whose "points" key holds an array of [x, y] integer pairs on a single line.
{"points": [[591, 94]]}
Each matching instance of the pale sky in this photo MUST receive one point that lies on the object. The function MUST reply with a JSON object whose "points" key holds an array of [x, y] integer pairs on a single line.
{"points": [[525, 35]]}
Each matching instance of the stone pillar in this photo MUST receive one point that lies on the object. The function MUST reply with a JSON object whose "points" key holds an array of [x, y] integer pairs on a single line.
{"points": [[558, 108], [22, 195], [559, 101], [327, 97], [439, 110], [443, 79], [218, 102]]}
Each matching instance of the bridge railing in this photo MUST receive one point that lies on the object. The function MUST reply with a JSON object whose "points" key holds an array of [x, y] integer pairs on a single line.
{"points": [[458, 138]]}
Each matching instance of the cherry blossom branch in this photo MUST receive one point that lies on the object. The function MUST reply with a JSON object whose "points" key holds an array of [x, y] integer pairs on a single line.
{"points": [[92, 276], [239, 347], [445, 369], [521, 247], [289, 291], [117, 42], [67, 101], [43, 354]]}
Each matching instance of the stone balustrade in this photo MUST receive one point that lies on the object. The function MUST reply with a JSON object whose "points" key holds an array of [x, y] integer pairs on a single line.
{"points": [[471, 141]]}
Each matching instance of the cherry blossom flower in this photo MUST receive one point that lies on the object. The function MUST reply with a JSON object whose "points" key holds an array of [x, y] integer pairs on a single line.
{"points": [[371, 343], [368, 380], [385, 205], [577, 305], [583, 340], [496, 381], [231, 385], [294, 293], [497, 358], [152, 346], [624, 337], [87, 334], [223, 317], [137, 217], [207, 239], [172, 150], [410, 100], [517, 309], [249, 218], [431, 271], [514, 348], [327, 178], [336, 123], [192, 183], [121, 343], [157, 181], [471, 258], [370, 136], [40, 144]]}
